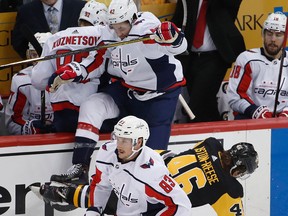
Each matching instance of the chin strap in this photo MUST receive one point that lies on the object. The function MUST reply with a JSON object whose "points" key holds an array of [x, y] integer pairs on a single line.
{"points": [[134, 152]]}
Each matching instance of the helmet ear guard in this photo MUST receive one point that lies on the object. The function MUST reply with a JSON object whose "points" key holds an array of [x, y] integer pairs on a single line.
{"points": [[244, 157]]}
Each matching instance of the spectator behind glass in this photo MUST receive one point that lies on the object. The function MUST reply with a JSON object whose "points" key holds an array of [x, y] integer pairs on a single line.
{"points": [[254, 78], [206, 64], [35, 15]]}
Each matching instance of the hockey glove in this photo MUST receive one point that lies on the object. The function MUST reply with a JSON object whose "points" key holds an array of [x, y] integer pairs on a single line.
{"points": [[69, 73], [93, 211], [36, 127], [258, 112], [167, 33], [284, 113]]}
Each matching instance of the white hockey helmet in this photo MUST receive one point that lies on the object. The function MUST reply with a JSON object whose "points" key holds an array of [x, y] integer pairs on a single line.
{"points": [[275, 21], [41, 38], [94, 13], [133, 128], [121, 11]]}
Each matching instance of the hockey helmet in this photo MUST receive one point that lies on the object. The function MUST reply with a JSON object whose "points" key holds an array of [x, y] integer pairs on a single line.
{"points": [[133, 128], [41, 38], [94, 13], [275, 21], [244, 157], [121, 11]]}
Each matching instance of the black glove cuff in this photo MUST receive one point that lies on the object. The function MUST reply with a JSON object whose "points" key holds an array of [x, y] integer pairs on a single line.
{"points": [[250, 110], [179, 39]]}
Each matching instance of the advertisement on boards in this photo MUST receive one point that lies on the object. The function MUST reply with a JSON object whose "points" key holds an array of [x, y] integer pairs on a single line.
{"points": [[33, 165]]}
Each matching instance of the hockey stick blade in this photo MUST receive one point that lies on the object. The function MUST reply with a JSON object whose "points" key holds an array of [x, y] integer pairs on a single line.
{"points": [[88, 49], [28, 34]]}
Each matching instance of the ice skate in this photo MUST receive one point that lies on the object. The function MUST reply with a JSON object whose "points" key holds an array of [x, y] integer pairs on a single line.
{"points": [[78, 173]]}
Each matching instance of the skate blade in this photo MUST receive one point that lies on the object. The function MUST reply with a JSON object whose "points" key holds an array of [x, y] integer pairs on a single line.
{"points": [[59, 184], [62, 184]]}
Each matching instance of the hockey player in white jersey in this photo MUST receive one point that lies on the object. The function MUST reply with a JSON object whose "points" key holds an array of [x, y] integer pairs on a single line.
{"points": [[253, 80], [23, 109], [67, 99], [125, 165], [148, 80]]}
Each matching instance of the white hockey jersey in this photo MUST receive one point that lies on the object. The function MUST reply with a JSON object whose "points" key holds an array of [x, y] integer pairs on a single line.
{"points": [[71, 94], [253, 80], [224, 109], [144, 65], [143, 185], [24, 102]]}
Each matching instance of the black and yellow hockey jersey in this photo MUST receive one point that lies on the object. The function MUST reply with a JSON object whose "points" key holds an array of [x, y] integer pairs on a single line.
{"points": [[200, 174]]}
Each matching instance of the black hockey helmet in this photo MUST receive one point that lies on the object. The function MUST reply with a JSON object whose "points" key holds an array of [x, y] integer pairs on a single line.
{"points": [[244, 157]]}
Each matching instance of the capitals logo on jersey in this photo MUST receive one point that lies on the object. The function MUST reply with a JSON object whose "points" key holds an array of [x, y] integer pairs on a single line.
{"points": [[125, 63], [126, 197], [148, 164]]}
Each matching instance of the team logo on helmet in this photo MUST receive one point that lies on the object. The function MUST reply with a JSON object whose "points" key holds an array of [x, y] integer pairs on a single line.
{"points": [[87, 14], [112, 11]]}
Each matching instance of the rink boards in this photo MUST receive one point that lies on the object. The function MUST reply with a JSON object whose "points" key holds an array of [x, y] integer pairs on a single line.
{"points": [[26, 160]]}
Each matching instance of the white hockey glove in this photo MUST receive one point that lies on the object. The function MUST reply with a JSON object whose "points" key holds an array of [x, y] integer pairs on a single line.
{"points": [[29, 128], [93, 211], [258, 112], [167, 33], [71, 72]]}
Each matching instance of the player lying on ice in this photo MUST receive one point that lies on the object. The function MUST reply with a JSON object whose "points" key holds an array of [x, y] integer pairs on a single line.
{"points": [[207, 173]]}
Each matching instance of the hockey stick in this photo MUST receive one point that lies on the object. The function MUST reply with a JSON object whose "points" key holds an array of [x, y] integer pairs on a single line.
{"points": [[28, 34], [181, 98], [280, 70], [186, 107], [184, 22], [73, 52]]}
